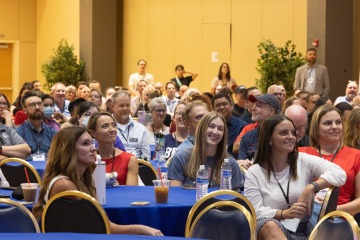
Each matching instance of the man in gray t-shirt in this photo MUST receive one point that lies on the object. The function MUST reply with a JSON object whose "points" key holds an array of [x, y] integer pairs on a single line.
{"points": [[12, 144]]}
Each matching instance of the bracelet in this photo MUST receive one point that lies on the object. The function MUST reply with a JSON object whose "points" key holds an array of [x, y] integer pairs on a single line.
{"points": [[281, 216]]}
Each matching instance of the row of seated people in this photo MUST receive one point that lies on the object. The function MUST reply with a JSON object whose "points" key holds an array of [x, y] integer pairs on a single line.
{"points": [[266, 100]]}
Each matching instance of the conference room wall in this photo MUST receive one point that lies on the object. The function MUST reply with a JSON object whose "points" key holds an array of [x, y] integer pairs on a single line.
{"points": [[56, 19], [18, 28], [167, 33]]}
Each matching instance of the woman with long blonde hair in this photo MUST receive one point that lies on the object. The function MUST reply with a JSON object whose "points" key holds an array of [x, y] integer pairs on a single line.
{"points": [[211, 149]]}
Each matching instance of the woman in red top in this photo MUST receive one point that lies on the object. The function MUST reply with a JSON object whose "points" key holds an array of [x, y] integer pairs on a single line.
{"points": [[102, 127], [325, 141]]}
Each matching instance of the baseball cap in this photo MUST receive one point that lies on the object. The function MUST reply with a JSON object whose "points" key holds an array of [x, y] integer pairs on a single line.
{"points": [[267, 98]]}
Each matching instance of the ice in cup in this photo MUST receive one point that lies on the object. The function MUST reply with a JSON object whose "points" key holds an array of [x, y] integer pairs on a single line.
{"points": [[161, 188], [29, 191]]}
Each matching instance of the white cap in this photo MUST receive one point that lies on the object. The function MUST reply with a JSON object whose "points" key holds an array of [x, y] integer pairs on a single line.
{"points": [[98, 159]]}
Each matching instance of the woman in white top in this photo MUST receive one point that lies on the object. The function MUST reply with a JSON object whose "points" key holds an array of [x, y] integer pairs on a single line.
{"points": [[70, 164], [223, 78], [157, 108], [281, 185]]}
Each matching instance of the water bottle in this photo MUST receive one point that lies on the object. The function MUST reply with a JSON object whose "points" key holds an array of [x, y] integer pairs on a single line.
{"points": [[162, 167], [159, 145], [202, 182], [225, 175]]}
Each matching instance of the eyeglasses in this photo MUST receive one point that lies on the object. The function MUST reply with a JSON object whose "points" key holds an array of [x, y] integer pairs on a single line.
{"points": [[198, 117], [160, 111], [34, 104], [223, 104], [3, 103], [301, 128], [87, 114]]}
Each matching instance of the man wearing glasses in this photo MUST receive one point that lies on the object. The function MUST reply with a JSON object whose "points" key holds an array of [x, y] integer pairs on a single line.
{"points": [[191, 116], [35, 133]]}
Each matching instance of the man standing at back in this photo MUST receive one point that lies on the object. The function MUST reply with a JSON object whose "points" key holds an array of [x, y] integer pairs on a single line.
{"points": [[312, 77], [141, 74]]}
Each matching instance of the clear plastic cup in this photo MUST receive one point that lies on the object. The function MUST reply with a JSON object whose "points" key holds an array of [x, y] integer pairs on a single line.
{"points": [[29, 191], [161, 188]]}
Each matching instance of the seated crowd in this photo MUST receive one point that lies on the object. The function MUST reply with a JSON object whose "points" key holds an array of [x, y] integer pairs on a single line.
{"points": [[289, 147]]}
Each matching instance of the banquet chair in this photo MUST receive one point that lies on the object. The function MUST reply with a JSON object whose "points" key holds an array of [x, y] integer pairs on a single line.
{"points": [[336, 225], [213, 197], [147, 172], [243, 170], [16, 218], [13, 170], [330, 202], [74, 211], [213, 222]]}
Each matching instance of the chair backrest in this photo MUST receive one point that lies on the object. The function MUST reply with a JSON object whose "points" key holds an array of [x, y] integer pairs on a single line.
{"points": [[147, 172], [74, 211], [214, 223], [213, 197], [330, 202], [13, 170], [15, 218], [336, 225]]}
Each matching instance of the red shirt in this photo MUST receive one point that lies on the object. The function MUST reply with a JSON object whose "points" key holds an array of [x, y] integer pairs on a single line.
{"points": [[349, 160], [120, 163]]}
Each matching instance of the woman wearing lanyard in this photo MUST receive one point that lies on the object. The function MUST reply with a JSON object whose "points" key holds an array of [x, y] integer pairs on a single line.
{"points": [[281, 185], [102, 127], [325, 142]]}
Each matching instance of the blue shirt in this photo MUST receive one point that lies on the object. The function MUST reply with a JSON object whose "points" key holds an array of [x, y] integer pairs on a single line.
{"points": [[248, 145], [36, 140], [171, 146], [65, 111], [246, 117], [234, 126], [178, 166]]}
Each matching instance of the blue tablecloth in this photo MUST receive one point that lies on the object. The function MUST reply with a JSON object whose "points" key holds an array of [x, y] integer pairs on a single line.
{"points": [[170, 218], [40, 166], [78, 236]]}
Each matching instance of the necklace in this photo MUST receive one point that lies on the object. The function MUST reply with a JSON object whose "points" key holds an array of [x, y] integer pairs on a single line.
{"points": [[153, 129]]}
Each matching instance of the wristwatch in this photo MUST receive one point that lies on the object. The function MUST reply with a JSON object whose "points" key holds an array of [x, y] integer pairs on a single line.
{"points": [[316, 186]]}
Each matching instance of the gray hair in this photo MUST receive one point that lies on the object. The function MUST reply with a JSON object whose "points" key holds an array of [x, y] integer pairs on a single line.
{"points": [[120, 93], [155, 102]]}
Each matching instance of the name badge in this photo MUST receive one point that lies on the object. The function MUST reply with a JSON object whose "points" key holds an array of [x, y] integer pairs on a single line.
{"points": [[38, 157], [131, 139], [291, 224]]}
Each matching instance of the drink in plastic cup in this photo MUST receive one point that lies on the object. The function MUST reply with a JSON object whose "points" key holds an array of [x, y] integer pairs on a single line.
{"points": [[161, 188], [29, 191]]}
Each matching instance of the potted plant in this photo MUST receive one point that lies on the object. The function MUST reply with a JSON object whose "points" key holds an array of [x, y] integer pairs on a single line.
{"points": [[63, 66], [277, 65]]}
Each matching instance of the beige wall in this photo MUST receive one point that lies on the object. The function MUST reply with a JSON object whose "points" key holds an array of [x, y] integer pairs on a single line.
{"points": [[167, 33], [18, 26], [56, 19]]}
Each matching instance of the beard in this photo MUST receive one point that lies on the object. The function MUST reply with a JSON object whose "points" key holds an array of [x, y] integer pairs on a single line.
{"points": [[38, 115]]}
